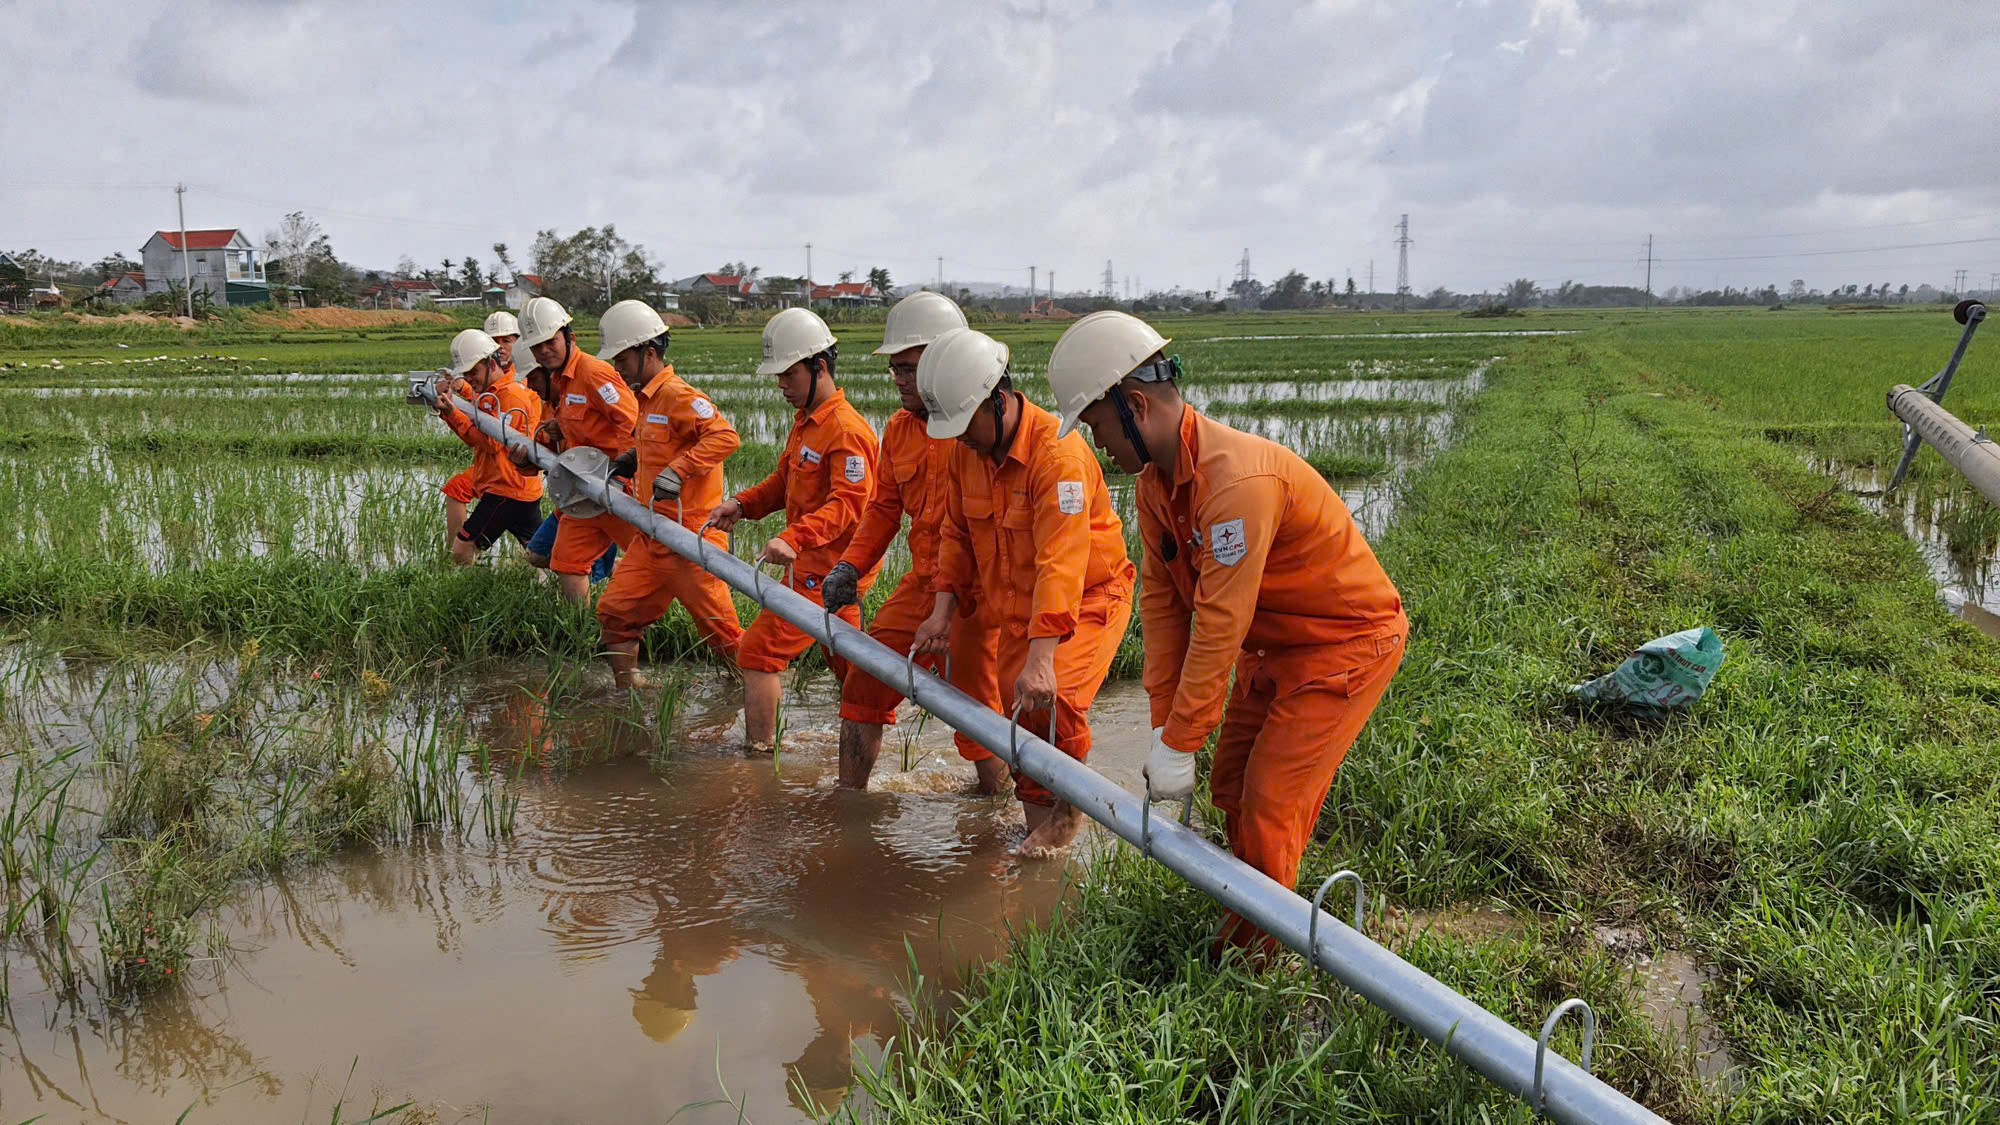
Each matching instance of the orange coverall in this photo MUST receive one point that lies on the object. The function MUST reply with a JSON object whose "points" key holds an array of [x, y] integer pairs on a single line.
{"points": [[460, 487], [1252, 561], [679, 428], [823, 480], [911, 478], [492, 473], [1035, 542], [594, 407]]}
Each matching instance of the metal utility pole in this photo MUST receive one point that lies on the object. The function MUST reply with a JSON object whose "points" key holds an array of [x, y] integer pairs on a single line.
{"points": [[1403, 264], [187, 269], [1111, 280], [1649, 265]]}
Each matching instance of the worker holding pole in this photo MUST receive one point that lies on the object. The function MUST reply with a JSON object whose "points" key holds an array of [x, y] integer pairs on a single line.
{"points": [[1031, 542], [679, 446], [460, 491], [1252, 565], [910, 478], [594, 408], [824, 477], [509, 500]]}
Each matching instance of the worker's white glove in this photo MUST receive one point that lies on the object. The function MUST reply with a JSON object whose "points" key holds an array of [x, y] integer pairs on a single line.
{"points": [[667, 485], [1169, 772]]}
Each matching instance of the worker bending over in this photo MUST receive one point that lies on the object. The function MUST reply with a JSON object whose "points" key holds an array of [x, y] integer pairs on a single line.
{"points": [[910, 478], [680, 444], [822, 483], [1030, 539], [1252, 563], [461, 490], [594, 408], [510, 501]]}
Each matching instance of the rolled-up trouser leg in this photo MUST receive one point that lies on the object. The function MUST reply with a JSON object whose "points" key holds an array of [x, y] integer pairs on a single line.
{"points": [[1291, 718]]}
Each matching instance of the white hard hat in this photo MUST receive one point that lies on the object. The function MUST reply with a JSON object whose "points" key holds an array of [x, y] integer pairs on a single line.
{"points": [[541, 319], [628, 324], [502, 323], [917, 320], [1093, 356], [468, 348], [956, 376], [793, 335], [577, 486]]}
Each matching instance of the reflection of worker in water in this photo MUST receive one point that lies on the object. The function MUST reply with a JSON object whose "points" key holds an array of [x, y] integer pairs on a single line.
{"points": [[846, 1006], [664, 1003]]}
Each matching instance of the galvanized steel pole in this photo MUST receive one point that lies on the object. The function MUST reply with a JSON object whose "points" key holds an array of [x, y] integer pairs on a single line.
{"points": [[1468, 1032], [1970, 452]]}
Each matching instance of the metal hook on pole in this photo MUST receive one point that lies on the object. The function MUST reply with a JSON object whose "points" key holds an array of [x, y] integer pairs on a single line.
{"points": [[1360, 910], [1575, 1003]]}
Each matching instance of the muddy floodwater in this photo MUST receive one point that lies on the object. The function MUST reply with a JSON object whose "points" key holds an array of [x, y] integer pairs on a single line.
{"points": [[707, 928]]}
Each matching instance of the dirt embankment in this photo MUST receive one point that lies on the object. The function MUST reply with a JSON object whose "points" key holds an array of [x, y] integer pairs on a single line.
{"points": [[343, 318]]}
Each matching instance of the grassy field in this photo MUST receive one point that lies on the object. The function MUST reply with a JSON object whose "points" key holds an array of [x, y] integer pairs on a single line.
{"points": [[1818, 835]]}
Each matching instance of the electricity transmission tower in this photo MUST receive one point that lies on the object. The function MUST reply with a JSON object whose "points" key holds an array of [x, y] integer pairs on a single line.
{"points": [[1403, 264]]}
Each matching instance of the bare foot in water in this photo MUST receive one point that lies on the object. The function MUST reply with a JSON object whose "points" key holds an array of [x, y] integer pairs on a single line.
{"points": [[1050, 830]]}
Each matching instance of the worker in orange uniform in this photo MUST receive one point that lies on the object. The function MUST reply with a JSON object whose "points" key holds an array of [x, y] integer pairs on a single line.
{"points": [[822, 483], [681, 442], [593, 407], [909, 478], [509, 500], [1254, 565], [1031, 539], [460, 491]]}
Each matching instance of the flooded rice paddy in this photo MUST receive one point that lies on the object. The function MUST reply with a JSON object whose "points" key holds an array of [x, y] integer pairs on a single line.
{"points": [[657, 924], [668, 923], [1956, 530]]}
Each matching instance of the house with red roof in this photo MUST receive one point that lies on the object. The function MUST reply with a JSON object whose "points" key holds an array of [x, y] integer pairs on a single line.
{"points": [[124, 288], [846, 293], [400, 293], [222, 261]]}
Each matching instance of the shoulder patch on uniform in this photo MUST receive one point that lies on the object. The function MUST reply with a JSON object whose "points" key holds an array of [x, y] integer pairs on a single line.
{"points": [[660, 419], [809, 455], [703, 408], [1225, 542], [1069, 497], [857, 469], [573, 399], [608, 393]]}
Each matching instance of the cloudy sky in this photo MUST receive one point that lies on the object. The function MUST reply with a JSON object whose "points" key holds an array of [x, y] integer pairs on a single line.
{"points": [[1757, 142]]}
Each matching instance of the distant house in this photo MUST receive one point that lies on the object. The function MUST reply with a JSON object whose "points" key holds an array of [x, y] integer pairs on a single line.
{"points": [[526, 287], [846, 293], [221, 261], [124, 288], [737, 288], [400, 293]]}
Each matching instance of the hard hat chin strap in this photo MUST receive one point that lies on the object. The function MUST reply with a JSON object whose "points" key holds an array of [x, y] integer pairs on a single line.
{"points": [[1131, 427]]}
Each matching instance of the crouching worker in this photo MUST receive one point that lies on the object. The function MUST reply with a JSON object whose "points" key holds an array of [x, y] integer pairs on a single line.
{"points": [[593, 407], [822, 483], [1030, 538], [910, 478], [680, 443], [509, 500], [1254, 565]]}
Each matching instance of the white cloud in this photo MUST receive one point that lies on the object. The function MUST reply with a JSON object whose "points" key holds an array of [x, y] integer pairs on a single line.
{"points": [[1525, 137]]}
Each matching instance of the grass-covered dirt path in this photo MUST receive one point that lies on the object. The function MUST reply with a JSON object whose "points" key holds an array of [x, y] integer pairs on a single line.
{"points": [[1822, 832]]}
